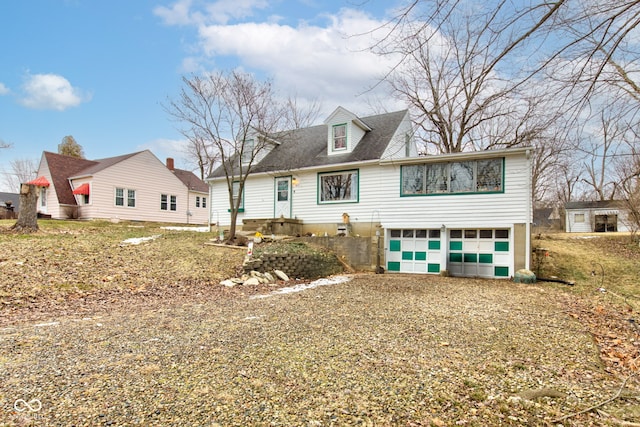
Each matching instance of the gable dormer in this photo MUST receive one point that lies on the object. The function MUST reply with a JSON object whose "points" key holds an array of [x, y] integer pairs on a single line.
{"points": [[344, 131], [256, 146]]}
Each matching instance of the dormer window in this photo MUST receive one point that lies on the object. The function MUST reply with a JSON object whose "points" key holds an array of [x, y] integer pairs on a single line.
{"points": [[340, 137]]}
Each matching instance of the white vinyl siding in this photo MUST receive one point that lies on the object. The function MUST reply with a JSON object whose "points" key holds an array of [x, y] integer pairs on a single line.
{"points": [[379, 198]]}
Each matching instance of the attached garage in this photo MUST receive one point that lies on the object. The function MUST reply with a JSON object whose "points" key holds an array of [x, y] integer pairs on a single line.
{"points": [[479, 252], [463, 252]]}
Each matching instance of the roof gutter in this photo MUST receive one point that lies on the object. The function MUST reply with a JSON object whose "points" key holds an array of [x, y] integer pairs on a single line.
{"points": [[449, 157], [320, 168]]}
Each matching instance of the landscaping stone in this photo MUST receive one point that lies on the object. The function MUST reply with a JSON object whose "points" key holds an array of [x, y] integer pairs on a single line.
{"points": [[281, 275]]}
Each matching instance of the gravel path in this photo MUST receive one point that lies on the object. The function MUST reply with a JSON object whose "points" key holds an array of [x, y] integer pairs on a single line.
{"points": [[375, 350]]}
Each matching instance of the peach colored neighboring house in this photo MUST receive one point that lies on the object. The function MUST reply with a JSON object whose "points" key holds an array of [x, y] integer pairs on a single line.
{"points": [[135, 186]]}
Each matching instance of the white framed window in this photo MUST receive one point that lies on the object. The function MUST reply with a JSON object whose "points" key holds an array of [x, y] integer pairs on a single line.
{"points": [[197, 201], [338, 187], [43, 197], [168, 202], [130, 197], [579, 217], [204, 202], [340, 137], [119, 196]]}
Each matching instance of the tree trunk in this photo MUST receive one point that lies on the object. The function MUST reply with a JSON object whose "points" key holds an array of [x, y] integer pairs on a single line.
{"points": [[28, 215]]}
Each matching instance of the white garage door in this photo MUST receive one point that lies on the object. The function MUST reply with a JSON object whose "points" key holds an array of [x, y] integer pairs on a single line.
{"points": [[479, 252], [414, 251]]}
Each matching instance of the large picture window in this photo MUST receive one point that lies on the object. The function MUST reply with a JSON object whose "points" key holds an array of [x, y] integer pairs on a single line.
{"points": [[337, 187], [474, 176]]}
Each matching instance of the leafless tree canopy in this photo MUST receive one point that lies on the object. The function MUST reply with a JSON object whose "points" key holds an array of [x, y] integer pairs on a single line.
{"points": [[561, 76], [229, 119], [20, 171]]}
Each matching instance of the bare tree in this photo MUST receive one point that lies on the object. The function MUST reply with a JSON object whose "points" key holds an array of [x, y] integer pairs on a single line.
{"points": [[299, 117], [235, 115], [21, 170], [452, 71], [203, 155], [608, 145], [629, 187], [70, 147]]}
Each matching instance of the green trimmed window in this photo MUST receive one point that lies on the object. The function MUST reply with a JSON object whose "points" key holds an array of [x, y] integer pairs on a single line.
{"points": [[473, 176], [338, 187], [236, 194]]}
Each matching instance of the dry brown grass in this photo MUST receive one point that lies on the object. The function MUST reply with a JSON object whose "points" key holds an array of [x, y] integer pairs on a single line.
{"points": [[162, 344]]}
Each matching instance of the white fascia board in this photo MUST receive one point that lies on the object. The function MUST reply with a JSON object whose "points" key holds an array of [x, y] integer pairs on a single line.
{"points": [[467, 155]]}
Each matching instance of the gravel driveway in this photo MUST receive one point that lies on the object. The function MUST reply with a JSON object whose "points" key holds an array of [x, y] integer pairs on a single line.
{"points": [[375, 350]]}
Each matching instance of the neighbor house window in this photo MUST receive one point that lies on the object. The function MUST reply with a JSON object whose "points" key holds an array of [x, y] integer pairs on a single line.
{"points": [[340, 137], [168, 202], [43, 197], [335, 187], [203, 204], [120, 197], [578, 217], [473, 176], [85, 199]]}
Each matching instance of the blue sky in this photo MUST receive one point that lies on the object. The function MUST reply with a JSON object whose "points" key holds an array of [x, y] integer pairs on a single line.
{"points": [[101, 70]]}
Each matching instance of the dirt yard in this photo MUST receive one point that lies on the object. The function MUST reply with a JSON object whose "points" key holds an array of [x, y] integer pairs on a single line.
{"points": [[125, 335]]}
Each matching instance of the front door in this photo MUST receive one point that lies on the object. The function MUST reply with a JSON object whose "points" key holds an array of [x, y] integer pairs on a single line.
{"points": [[283, 197]]}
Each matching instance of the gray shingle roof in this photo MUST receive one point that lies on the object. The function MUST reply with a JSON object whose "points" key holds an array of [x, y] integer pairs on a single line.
{"points": [[595, 204], [307, 147]]}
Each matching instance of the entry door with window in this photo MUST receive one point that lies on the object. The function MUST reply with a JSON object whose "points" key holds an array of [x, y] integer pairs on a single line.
{"points": [[283, 197]]}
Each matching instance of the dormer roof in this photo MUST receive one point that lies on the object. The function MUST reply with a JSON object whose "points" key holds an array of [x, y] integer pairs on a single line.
{"points": [[341, 112]]}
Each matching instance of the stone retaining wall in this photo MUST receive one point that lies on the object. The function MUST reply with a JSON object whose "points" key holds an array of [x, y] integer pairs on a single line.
{"points": [[308, 266]]}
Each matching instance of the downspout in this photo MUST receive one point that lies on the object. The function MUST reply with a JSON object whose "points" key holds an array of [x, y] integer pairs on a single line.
{"points": [[529, 213]]}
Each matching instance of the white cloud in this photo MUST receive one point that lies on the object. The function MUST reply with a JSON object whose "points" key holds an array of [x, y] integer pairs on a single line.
{"points": [[3, 89], [326, 63], [50, 92], [220, 12], [178, 14]]}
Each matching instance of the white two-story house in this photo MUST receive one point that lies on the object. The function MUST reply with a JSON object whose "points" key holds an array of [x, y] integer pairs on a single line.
{"points": [[465, 213]]}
